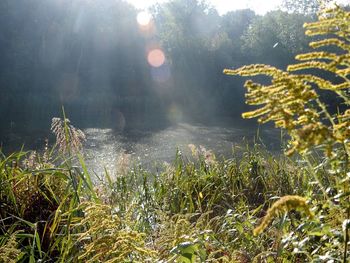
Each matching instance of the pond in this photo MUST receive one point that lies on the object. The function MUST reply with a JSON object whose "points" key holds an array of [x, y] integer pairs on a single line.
{"points": [[105, 148], [151, 147]]}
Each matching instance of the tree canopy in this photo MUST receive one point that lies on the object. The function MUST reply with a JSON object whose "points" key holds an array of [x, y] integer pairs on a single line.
{"points": [[91, 57]]}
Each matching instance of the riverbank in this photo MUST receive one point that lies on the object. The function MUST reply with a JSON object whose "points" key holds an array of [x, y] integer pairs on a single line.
{"points": [[197, 209]]}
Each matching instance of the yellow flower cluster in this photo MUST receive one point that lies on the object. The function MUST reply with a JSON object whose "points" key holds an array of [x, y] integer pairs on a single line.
{"points": [[9, 251], [330, 21], [107, 239], [287, 102], [283, 205], [341, 130], [292, 101]]}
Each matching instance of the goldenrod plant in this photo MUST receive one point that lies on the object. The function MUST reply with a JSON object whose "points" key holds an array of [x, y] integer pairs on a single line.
{"points": [[284, 204], [293, 102], [108, 238], [9, 251]]}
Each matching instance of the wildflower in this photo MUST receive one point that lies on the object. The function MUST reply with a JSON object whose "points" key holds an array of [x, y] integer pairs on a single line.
{"points": [[284, 204]]}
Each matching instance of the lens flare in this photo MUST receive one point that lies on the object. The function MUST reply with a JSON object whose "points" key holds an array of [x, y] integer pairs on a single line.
{"points": [[143, 18], [156, 58]]}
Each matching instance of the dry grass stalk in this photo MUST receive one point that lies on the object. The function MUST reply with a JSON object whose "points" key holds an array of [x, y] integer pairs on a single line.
{"points": [[68, 138]]}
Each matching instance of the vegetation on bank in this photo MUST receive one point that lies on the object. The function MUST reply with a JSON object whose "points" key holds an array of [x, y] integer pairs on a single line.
{"points": [[191, 211], [200, 210]]}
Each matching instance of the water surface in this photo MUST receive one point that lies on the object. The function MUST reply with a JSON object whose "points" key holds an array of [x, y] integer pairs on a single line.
{"points": [[105, 147]]}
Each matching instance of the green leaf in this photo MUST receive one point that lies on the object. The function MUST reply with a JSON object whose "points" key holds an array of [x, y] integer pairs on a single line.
{"points": [[38, 243]]}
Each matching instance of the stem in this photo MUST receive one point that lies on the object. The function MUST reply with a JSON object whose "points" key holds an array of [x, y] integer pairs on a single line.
{"points": [[311, 168], [348, 208], [67, 135], [325, 111], [346, 237]]}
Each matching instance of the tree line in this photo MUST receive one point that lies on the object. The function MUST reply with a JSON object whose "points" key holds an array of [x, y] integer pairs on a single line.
{"points": [[92, 58]]}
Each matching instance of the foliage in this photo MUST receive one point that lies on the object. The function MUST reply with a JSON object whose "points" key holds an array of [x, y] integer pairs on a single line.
{"points": [[191, 211], [300, 111], [278, 33], [293, 102], [303, 6], [284, 204], [107, 238], [39, 200], [9, 251]]}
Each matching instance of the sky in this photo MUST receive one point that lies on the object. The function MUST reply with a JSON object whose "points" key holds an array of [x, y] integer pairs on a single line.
{"points": [[224, 6]]}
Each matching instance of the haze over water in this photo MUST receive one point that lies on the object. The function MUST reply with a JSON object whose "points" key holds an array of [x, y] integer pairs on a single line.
{"points": [[104, 148]]}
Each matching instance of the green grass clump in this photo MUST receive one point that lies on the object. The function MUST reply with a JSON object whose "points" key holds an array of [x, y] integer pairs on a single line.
{"points": [[192, 210]]}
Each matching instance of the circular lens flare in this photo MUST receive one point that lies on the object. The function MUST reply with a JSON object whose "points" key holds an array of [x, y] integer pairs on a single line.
{"points": [[156, 58], [143, 18]]}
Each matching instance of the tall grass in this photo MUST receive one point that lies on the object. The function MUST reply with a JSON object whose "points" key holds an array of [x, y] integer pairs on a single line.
{"points": [[192, 210]]}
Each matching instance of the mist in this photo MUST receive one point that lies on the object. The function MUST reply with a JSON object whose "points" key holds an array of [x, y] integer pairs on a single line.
{"points": [[133, 72]]}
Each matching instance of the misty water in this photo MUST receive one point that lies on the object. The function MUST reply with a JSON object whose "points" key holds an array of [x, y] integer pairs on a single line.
{"points": [[104, 148], [151, 146]]}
